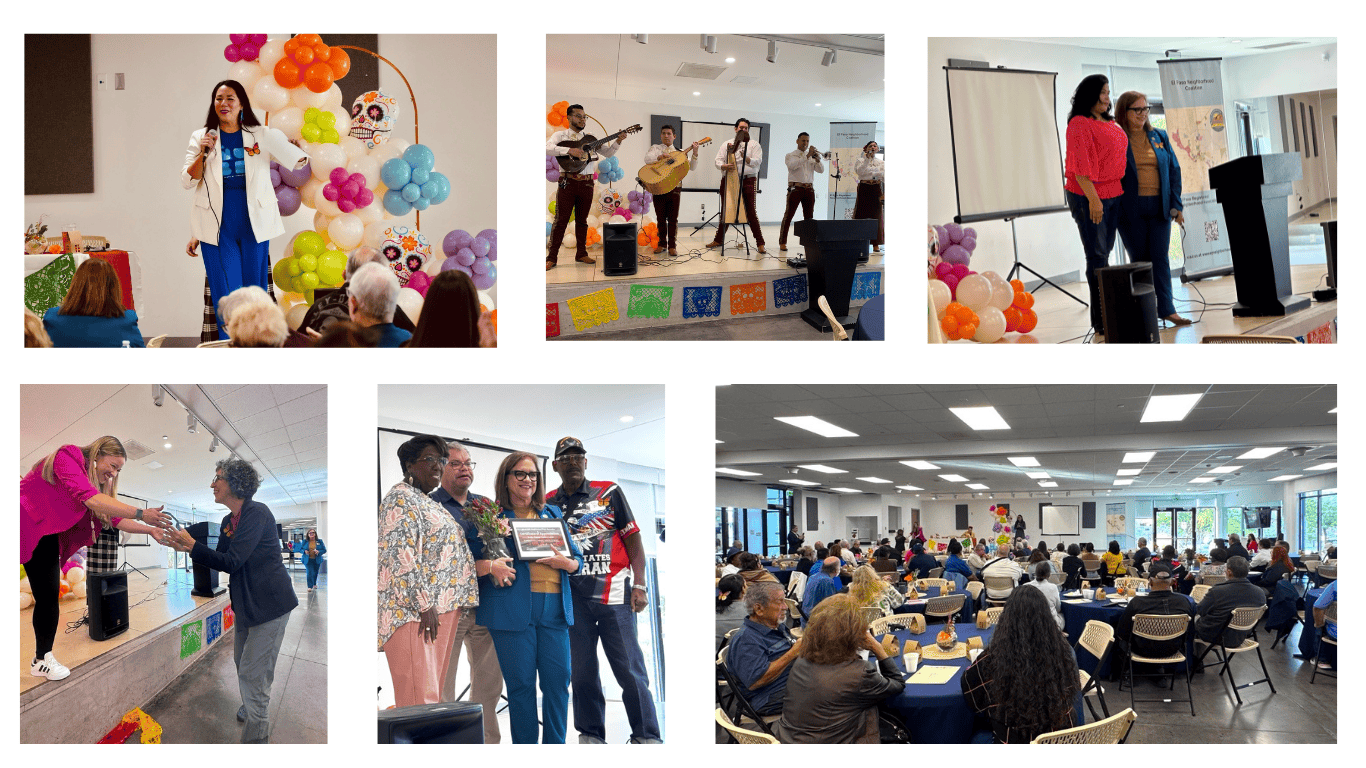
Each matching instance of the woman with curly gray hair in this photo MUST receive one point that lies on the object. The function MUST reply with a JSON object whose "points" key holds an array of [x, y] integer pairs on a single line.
{"points": [[261, 590]]}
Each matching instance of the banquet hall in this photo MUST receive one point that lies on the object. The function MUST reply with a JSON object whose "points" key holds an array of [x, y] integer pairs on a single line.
{"points": [[816, 484]]}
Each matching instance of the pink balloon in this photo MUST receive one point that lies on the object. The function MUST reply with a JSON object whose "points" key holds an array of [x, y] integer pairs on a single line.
{"points": [[239, 39], [258, 40], [952, 282], [961, 271], [359, 179], [943, 269], [331, 192], [350, 189], [249, 51], [345, 205], [364, 197], [231, 54], [420, 282], [338, 176]]}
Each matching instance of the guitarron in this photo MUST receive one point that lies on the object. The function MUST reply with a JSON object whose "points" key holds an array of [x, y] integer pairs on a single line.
{"points": [[665, 174]]}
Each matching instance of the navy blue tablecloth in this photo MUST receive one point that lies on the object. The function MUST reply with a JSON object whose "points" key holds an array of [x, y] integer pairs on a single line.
{"points": [[1075, 617], [868, 327], [783, 575], [1309, 634]]}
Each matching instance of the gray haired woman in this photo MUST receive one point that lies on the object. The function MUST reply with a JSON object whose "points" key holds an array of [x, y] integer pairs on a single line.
{"points": [[261, 590]]}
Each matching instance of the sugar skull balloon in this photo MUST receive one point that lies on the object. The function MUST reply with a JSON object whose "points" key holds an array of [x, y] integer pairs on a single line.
{"points": [[372, 117], [406, 250], [610, 202]]}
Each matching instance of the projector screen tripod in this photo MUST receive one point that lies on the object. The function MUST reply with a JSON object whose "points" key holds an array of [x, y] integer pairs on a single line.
{"points": [[1019, 265]]}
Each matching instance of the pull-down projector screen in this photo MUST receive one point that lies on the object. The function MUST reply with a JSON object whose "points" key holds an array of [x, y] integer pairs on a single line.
{"points": [[1006, 157], [1061, 521]]}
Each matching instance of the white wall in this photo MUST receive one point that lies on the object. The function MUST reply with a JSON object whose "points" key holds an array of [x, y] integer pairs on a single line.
{"points": [[1049, 243], [782, 138], [141, 134]]}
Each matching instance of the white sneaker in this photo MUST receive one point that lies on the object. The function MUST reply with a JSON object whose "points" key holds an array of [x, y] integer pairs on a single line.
{"points": [[50, 668]]}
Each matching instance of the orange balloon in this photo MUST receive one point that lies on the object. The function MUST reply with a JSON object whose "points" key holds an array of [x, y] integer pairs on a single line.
{"points": [[494, 313], [321, 52], [965, 315], [1026, 302], [642, 239], [291, 45], [1013, 316], [1028, 321], [304, 56], [286, 73], [482, 309], [967, 331], [308, 39], [949, 324], [1017, 285], [318, 77], [340, 63]]}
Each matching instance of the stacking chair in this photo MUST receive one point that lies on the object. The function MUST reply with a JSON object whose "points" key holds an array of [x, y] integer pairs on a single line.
{"points": [[932, 582], [1098, 639], [993, 615], [998, 583], [871, 614], [1111, 730], [936, 573], [884, 565], [1213, 578], [1242, 620], [1331, 617], [974, 590], [742, 735], [1057, 578], [1326, 573], [885, 624], [1154, 627], [944, 607], [1095, 570], [156, 341], [1199, 591], [1311, 567], [794, 617], [796, 586]]}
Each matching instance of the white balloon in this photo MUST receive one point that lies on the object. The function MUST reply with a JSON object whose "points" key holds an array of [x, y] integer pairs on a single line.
{"points": [[374, 233], [617, 219], [245, 72], [364, 165], [325, 206], [271, 52], [385, 151], [325, 157], [304, 98], [433, 265], [991, 325], [941, 295], [309, 191], [570, 240], [295, 316], [343, 121], [487, 301], [289, 120], [267, 94], [75, 575], [353, 147], [372, 212], [25, 586], [346, 231], [78, 591], [320, 221], [974, 291], [1002, 294], [25, 600], [411, 302], [332, 97]]}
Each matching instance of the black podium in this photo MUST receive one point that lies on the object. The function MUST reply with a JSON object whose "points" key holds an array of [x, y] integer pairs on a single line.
{"points": [[1128, 304], [205, 578], [1253, 192], [833, 249]]}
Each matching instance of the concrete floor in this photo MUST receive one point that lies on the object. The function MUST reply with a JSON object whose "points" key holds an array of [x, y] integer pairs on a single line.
{"points": [[200, 707]]}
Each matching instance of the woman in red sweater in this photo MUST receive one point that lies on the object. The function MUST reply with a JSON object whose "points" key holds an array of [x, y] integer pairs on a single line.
{"points": [[1097, 149]]}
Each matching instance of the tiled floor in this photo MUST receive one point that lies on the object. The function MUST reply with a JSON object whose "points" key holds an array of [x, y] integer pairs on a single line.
{"points": [[200, 707]]}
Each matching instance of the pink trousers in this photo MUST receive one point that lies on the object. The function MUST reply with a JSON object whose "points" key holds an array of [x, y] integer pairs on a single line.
{"points": [[418, 667]]}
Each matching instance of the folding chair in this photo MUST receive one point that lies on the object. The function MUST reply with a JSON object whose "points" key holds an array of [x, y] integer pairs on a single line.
{"points": [[909, 621], [1111, 730], [998, 583], [744, 713], [795, 616], [742, 735], [936, 573], [1094, 570], [1213, 578], [1157, 628], [1098, 639], [1199, 591], [1331, 617], [944, 607], [1241, 620]]}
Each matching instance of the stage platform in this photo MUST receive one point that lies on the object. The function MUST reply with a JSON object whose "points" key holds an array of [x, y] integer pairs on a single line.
{"points": [[1064, 321], [110, 677], [698, 285]]}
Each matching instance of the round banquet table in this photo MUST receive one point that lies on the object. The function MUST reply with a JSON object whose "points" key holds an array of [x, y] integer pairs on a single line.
{"points": [[1076, 615], [868, 326], [784, 575], [939, 714], [917, 606]]}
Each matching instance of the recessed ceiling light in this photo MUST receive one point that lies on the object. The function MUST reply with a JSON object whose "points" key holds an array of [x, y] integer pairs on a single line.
{"points": [[798, 482], [731, 60], [1124, 482], [1261, 453], [1048, 484], [955, 478], [1024, 461], [1225, 470], [720, 441], [824, 469], [847, 490], [981, 418], [1283, 478], [818, 105], [1329, 465], [1335, 410], [1128, 472], [697, 93], [1037, 475], [977, 487], [874, 480], [819, 426], [1169, 407], [1205, 479], [920, 464], [627, 418], [1137, 457], [909, 488], [740, 472]]}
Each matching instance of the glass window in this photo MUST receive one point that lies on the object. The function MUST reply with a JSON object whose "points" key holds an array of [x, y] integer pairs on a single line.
{"points": [[1233, 521], [1204, 528], [1318, 520]]}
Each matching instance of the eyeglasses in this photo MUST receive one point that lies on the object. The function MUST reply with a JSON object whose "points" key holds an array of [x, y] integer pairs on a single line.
{"points": [[1141, 111], [437, 460], [574, 458], [216, 478], [461, 464], [522, 474]]}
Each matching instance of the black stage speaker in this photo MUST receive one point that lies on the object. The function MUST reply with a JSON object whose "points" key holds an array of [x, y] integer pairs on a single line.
{"points": [[445, 723], [106, 602], [1128, 304], [619, 249], [205, 578]]}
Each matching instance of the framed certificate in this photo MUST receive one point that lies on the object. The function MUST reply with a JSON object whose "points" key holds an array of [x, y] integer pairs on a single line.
{"points": [[535, 538]]}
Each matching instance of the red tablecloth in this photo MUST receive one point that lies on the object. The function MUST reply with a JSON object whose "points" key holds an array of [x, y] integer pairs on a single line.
{"points": [[119, 261]]}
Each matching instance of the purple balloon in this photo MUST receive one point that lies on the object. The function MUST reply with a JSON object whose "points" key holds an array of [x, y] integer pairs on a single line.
{"points": [[346, 205], [491, 235], [480, 246], [455, 240], [364, 197], [969, 242], [287, 198], [956, 254], [552, 175], [297, 178], [464, 257], [481, 266], [449, 264], [274, 175], [331, 192], [485, 281], [955, 233]]}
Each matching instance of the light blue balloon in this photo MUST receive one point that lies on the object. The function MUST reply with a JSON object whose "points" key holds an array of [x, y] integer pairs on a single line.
{"points": [[430, 189], [605, 168], [420, 176], [395, 173], [443, 189], [548, 227], [395, 204], [421, 203], [420, 156], [411, 192]]}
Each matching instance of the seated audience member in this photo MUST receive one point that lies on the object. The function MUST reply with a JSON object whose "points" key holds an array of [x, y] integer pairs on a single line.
{"points": [[1330, 556], [1263, 555], [825, 583], [1141, 554], [1026, 681], [1217, 563], [806, 558], [870, 590], [1252, 547], [1220, 601], [1042, 571], [1057, 556], [1161, 600], [836, 551], [330, 306], [921, 562], [1235, 547], [849, 554], [1089, 553], [751, 570], [1035, 557], [885, 551], [730, 608], [956, 564], [1328, 654], [857, 551], [372, 300], [978, 558], [349, 335], [253, 319], [1074, 567], [1002, 565], [821, 554], [1276, 570], [92, 313], [832, 693], [34, 334], [732, 562], [761, 654], [450, 315], [1114, 564]]}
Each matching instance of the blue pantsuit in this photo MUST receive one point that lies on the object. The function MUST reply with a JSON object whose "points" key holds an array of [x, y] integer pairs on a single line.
{"points": [[541, 648]]}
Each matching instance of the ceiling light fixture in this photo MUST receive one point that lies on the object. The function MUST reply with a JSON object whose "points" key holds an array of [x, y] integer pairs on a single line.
{"points": [[1037, 475], [910, 488], [1128, 472], [772, 52], [824, 469], [1261, 453], [830, 57], [214, 445], [739, 472], [1123, 482], [1024, 461], [918, 464], [1169, 407], [709, 43], [627, 418], [1284, 478], [191, 425], [730, 60], [978, 487], [847, 490], [1205, 479], [1137, 457], [955, 478], [981, 418], [813, 424], [642, 39], [798, 482], [1225, 470], [1321, 467], [874, 480]]}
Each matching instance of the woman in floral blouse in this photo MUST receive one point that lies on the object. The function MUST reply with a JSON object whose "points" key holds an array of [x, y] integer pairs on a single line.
{"points": [[426, 575]]}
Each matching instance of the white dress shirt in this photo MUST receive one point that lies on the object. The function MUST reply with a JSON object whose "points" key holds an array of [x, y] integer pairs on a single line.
{"points": [[1002, 567], [552, 145], [868, 169], [754, 156], [801, 166], [658, 151]]}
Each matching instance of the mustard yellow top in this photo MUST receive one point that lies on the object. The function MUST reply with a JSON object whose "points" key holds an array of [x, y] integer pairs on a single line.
{"points": [[1146, 161], [1113, 563]]}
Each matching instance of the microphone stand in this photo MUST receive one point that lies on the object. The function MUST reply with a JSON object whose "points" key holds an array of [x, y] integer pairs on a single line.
{"points": [[744, 231]]}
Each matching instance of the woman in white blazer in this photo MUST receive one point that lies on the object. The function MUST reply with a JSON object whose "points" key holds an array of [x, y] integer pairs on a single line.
{"points": [[235, 213]]}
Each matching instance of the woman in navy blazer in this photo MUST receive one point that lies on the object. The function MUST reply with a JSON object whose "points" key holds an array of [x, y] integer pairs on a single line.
{"points": [[527, 608], [92, 314], [1147, 209]]}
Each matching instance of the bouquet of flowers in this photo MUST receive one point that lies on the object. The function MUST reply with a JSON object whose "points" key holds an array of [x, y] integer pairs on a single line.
{"points": [[484, 514]]}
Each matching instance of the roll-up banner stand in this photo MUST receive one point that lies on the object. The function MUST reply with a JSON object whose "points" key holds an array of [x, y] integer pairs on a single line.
{"points": [[1193, 100]]}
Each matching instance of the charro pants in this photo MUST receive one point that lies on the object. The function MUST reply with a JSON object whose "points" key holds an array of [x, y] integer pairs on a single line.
{"points": [[255, 651], [803, 196], [868, 205], [486, 679], [575, 196], [747, 194], [615, 626], [666, 210]]}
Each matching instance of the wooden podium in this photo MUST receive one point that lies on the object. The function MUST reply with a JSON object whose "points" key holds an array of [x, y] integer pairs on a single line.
{"points": [[833, 249], [1253, 192]]}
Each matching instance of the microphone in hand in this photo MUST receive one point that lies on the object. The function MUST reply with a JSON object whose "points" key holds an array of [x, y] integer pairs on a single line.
{"points": [[211, 134]]}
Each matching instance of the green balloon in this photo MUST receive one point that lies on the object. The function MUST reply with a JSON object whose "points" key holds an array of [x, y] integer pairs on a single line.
{"points": [[309, 242], [324, 120], [309, 280], [331, 266], [296, 284], [329, 136], [281, 273], [292, 267], [308, 263], [311, 114], [311, 133]]}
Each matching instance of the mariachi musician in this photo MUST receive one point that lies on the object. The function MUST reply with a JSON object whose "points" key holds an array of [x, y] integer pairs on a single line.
{"points": [[741, 154], [576, 189], [868, 202], [667, 204], [803, 164]]}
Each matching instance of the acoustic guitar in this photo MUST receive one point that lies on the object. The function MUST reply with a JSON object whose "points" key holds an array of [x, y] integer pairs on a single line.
{"points": [[665, 174], [571, 164]]}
